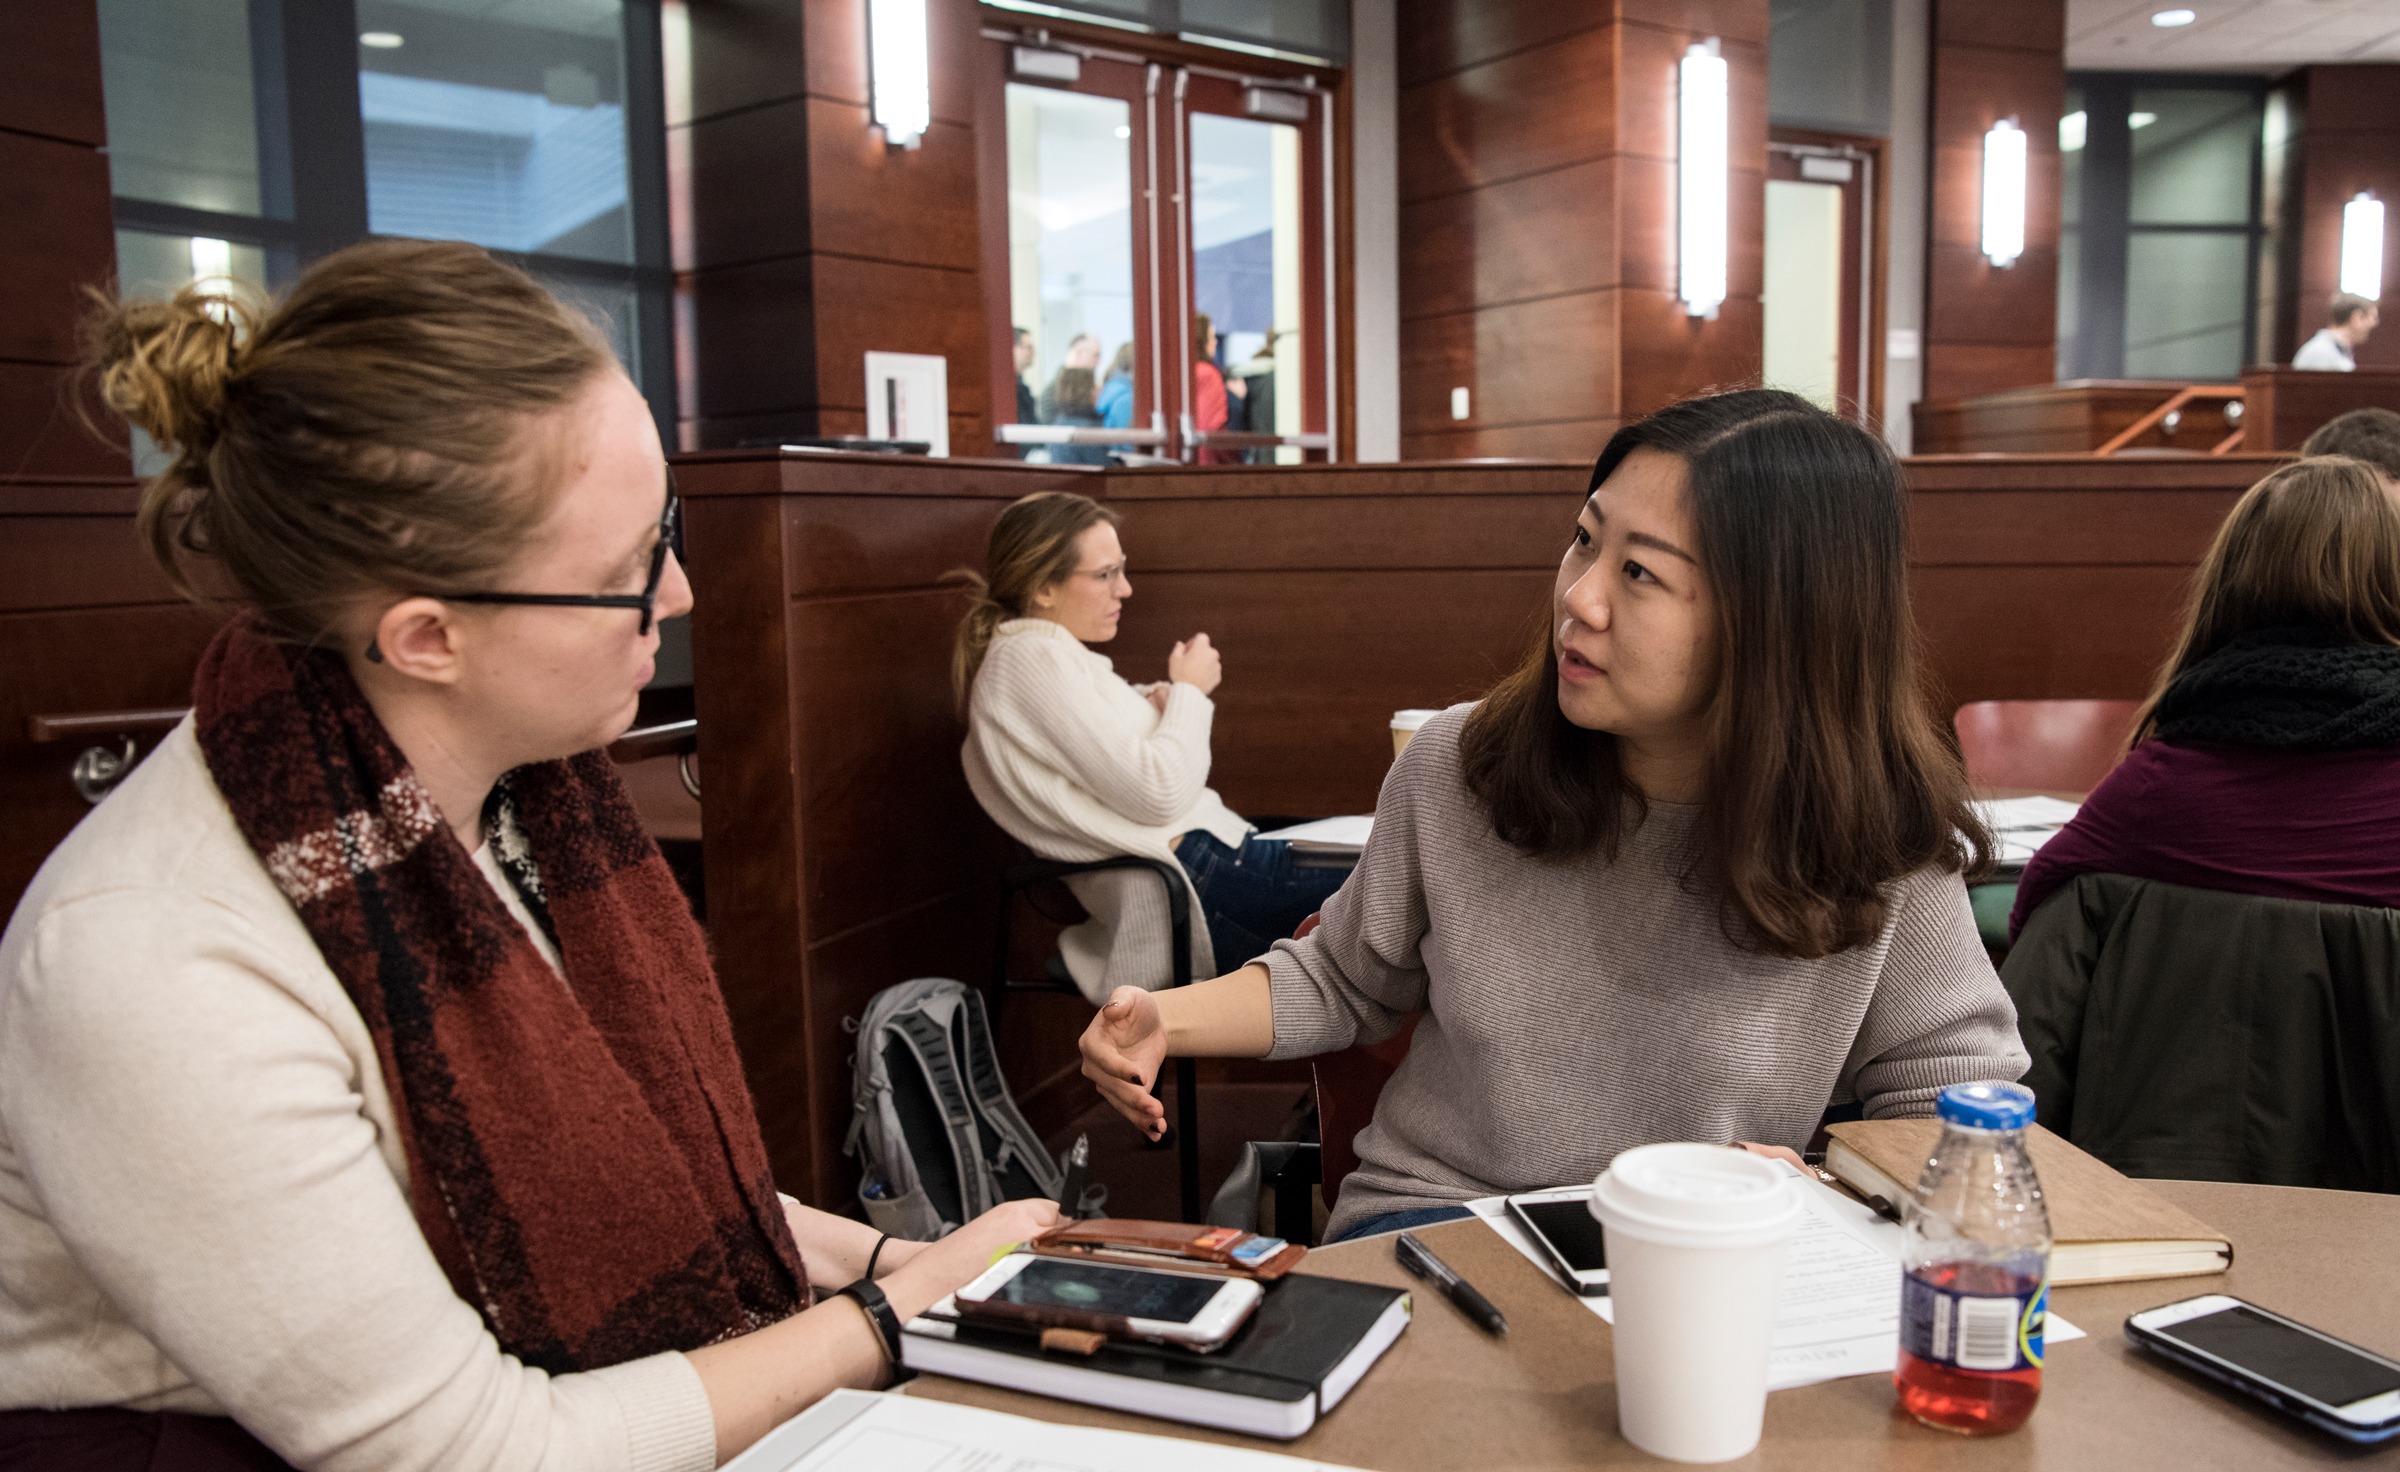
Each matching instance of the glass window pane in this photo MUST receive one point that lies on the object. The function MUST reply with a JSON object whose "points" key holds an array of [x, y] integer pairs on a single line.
{"points": [[1070, 258], [2191, 156], [2184, 302], [615, 307], [1246, 236], [1308, 27], [182, 112], [1804, 289], [499, 123]]}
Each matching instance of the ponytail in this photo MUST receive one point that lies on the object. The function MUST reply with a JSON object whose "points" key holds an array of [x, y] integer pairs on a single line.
{"points": [[1032, 548]]}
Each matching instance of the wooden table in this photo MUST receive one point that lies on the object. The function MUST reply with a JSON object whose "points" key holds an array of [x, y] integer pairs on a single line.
{"points": [[1449, 1397]]}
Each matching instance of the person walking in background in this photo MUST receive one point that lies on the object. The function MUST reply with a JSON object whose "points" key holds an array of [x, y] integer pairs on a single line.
{"points": [[2352, 322], [1212, 396], [1116, 391], [1071, 404], [1028, 412], [1083, 351], [1258, 400]]}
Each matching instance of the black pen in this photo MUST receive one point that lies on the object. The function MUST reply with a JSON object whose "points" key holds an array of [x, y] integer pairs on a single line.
{"points": [[1078, 1165], [1420, 1262]]}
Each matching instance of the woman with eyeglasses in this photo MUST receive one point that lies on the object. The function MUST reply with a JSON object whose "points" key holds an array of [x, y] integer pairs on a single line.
{"points": [[1078, 764], [366, 1098]]}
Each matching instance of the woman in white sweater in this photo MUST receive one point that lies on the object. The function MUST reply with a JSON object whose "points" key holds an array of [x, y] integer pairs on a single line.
{"points": [[366, 1100], [1079, 764]]}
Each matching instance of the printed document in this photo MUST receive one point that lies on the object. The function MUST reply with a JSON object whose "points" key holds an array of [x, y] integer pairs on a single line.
{"points": [[863, 1431], [1841, 1290]]}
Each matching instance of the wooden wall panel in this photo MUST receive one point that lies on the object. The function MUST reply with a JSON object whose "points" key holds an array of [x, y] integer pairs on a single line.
{"points": [[1538, 251], [41, 435], [1989, 328], [59, 239], [2286, 406], [804, 240], [53, 87]]}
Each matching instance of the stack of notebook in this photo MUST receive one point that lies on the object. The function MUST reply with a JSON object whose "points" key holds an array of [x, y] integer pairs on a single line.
{"points": [[1309, 1341], [2109, 1227]]}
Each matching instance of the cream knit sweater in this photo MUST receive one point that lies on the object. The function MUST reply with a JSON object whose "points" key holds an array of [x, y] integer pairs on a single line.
{"points": [[202, 1199], [1077, 764]]}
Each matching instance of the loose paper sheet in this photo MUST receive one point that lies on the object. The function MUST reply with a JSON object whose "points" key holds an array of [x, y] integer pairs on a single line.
{"points": [[1329, 833], [860, 1431], [1840, 1313]]}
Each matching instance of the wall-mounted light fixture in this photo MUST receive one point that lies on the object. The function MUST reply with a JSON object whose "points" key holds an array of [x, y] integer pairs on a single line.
{"points": [[2004, 192], [1700, 178], [2362, 246], [900, 76]]}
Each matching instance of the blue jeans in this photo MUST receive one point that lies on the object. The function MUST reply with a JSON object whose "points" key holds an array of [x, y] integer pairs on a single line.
{"points": [[1399, 1221], [1253, 896]]}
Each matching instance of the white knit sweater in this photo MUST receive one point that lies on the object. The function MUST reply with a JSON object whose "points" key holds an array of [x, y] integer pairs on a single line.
{"points": [[203, 1200], [1077, 764]]}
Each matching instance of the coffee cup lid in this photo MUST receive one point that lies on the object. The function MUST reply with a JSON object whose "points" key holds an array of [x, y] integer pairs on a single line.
{"points": [[1703, 1195], [1410, 720]]}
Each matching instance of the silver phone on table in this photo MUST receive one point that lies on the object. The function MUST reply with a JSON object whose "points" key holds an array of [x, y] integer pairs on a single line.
{"points": [[2338, 1387], [1567, 1235]]}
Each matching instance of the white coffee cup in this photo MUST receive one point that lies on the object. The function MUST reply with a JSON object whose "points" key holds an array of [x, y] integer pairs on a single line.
{"points": [[1696, 1236], [1405, 723]]}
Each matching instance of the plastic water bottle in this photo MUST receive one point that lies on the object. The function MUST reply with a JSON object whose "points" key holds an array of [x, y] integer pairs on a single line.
{"points": [[1978, 1269]]}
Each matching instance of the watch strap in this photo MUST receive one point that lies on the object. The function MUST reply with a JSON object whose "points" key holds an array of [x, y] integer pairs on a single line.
{"points": [[878, 1310]]}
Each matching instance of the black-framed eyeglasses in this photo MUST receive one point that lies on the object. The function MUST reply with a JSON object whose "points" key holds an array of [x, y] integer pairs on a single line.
{"points": [[670, 526]]}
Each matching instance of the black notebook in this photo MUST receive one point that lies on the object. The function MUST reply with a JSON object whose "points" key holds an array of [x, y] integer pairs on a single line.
{"points": [[1307, 1343]]}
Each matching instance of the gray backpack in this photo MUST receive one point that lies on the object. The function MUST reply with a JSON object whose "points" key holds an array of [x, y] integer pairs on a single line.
{"points": [[937, 1136]]}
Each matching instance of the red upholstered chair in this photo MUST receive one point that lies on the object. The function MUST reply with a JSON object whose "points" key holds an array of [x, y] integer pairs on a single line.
{"points": [[2043, 745], [1348, 1083]]}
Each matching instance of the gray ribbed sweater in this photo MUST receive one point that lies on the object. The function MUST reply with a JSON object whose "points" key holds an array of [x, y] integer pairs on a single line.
{"points": [[1575, 1010]]}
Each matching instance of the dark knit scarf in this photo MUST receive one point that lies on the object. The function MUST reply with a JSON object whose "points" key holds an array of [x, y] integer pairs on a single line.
{"points": [[582, 1155], [2288, 688]]}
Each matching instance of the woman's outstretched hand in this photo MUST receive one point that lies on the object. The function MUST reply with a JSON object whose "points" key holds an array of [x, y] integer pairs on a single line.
{"points": [[1195, 662], [1122, 1051]]}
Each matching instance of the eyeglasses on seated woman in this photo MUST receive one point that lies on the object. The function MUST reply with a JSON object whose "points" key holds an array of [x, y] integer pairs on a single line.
{"points": [[366, 1098]]}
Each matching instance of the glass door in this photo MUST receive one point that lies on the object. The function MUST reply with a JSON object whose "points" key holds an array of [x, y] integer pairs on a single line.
{"points": [[1255, 354], [1165, 247]]}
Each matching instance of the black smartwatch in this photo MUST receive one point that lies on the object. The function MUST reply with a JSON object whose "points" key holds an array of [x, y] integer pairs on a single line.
{"points": [[878, 1310]]}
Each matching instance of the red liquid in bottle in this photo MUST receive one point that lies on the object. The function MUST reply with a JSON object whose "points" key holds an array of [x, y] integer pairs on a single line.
{"points": [[1969, 1402]]}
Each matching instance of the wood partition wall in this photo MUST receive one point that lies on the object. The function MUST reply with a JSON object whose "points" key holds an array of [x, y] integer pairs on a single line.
{"points": [[845, 853]]}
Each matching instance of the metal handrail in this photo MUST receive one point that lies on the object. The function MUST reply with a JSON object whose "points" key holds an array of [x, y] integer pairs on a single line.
{"points": [[2190, 393], [1074, 434]]}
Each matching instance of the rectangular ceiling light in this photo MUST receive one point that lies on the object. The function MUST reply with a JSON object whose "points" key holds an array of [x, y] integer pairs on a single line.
{"points": [[901, 77], [2362, 247], [1701, 178], [2004, 192]]}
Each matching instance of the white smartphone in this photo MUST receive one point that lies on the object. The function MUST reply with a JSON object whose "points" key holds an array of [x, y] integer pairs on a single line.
{"points": [[1196, 1310], [2351, 1392], [1565, 1232]]}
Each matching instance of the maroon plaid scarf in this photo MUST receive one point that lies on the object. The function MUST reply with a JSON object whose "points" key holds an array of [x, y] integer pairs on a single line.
{"points": [[582, 1156]]}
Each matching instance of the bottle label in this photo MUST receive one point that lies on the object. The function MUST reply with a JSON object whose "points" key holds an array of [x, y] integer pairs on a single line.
{"points": [[1993, 1333]]}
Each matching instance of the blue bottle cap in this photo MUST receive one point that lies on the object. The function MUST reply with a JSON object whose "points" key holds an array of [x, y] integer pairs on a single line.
{"points": [[1986, 1106]]}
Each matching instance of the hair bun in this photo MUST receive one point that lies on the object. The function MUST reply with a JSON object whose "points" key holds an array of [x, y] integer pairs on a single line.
{"points": [[165, 365]]}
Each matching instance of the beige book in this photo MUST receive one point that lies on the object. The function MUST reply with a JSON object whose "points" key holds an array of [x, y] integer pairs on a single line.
{"points": [[2109, 1227]]}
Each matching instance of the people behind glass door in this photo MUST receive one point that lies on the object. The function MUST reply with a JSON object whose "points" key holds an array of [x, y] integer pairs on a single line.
{"points": [[366, 1096], [1078, 764], [1028, 412], [1258, 399], [1213, 397], [1116, 390], [1083, 351], [1695, 871], [1072, 405], [2350, 322]]}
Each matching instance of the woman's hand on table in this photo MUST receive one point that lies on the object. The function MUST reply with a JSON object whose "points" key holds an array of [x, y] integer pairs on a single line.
{"points": [[1195, 662], [1122, 1051], [938, 1268]]}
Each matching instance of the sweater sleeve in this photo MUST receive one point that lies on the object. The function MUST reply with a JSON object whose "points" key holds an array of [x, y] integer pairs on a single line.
{"points": [[1939, 1015], [1148, 767], [1360, 973], [194, 1133], [2093, 840]]}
